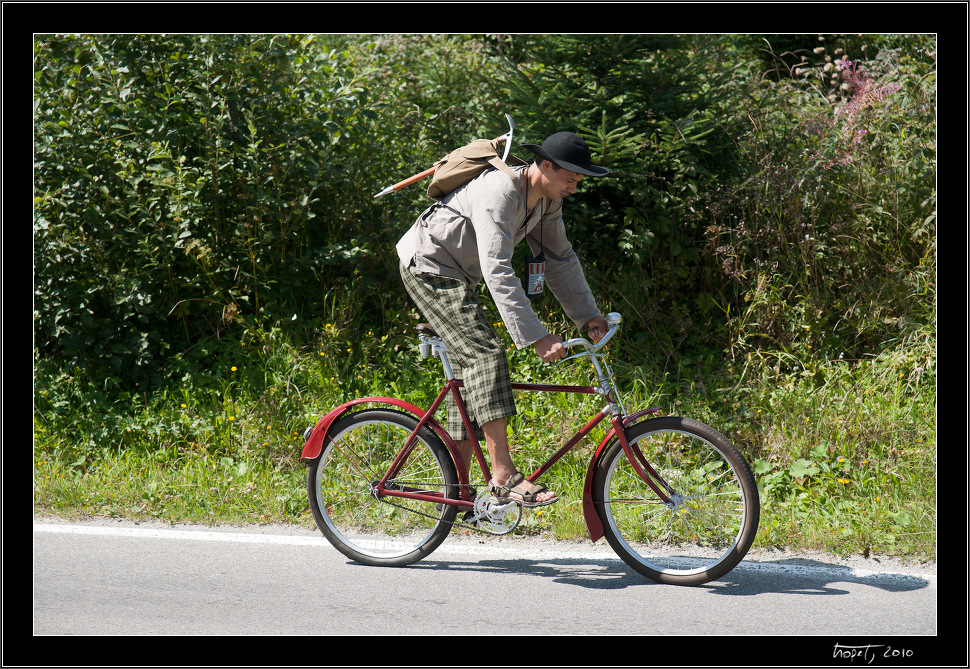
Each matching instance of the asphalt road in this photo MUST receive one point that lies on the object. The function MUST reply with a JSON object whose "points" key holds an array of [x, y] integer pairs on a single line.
{"points": [[122, 578]]}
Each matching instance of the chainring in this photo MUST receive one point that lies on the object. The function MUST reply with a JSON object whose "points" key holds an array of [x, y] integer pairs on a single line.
{"points": [[496, 518]]}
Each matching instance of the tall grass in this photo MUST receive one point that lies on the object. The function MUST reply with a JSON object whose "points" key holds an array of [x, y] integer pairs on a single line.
{"points": [[845, 464]]}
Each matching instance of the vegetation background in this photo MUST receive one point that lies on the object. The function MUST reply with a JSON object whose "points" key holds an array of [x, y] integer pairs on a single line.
{"points": [[212, 271]]}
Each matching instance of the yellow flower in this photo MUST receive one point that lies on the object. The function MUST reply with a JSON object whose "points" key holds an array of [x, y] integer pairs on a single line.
{"points": [[183, 405], [234, 369]]}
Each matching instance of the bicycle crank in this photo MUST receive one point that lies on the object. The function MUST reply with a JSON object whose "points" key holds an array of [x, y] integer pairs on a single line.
{"points": [[495, 518]]}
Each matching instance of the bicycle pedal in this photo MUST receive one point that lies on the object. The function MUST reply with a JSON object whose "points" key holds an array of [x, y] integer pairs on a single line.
{"points": [[500, 504]]}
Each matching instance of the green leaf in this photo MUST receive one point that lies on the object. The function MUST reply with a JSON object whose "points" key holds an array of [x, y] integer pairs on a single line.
{"points": [[761, 467], [802, 468]]}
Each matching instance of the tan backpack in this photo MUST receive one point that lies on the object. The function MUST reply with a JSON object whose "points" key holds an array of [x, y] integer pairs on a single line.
{"points": [[464, 164]]}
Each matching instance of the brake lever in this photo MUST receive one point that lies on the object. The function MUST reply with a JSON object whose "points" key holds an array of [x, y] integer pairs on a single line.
{"points": [[573, 357]]}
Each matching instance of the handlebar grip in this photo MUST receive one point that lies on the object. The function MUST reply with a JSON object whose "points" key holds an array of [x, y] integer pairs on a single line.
{"points": [[569, 343]]}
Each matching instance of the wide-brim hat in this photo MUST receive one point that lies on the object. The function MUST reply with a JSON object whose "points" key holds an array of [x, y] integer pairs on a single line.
{"points": [[569, 151]]}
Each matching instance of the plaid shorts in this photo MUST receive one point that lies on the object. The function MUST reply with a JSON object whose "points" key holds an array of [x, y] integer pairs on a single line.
{"points": [[476, 353]]}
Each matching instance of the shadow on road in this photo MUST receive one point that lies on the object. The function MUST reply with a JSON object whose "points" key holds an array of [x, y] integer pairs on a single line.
{"points": [[795, 576], [809, 577]]}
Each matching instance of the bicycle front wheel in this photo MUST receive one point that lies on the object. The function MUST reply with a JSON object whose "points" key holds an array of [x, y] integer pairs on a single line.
{"points": [[375, 529], [711, 519]]}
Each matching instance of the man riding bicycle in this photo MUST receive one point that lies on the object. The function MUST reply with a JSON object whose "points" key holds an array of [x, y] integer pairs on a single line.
{"points": [[469, 236]]}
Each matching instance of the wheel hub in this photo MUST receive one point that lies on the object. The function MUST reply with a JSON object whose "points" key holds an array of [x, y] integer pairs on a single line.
{"points": [[676, 501]]}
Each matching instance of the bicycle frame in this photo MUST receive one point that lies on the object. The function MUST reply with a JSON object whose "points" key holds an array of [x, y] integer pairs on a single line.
{"points": [[320, 432]]}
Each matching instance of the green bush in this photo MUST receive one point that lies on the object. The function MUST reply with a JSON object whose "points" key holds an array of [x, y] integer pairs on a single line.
{"points": [[184, 184], [205, 202]]}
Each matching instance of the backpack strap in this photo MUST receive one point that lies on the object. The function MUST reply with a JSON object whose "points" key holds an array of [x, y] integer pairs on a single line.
{"points": [[465, 163], [499, 164]]}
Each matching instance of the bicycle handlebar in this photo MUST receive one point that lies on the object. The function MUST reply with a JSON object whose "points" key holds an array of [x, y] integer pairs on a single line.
{"points": [[613, 320]]}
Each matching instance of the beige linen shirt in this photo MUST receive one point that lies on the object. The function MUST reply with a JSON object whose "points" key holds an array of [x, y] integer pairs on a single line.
{"points": [[471, 234]]}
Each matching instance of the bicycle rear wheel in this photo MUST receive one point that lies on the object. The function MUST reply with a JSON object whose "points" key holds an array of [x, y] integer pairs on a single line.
{"points": [[712, 517], [373, 529]]}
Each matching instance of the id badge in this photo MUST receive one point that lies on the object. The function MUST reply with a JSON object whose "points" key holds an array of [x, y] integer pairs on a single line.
{"points": [[535, 275]]}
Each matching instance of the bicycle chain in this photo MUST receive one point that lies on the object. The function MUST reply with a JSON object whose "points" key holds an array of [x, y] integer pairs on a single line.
{"points": [[453, 523]]}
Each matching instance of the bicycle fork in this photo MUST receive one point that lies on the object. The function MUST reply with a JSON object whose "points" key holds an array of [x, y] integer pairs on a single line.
{"points": [[641, 466], [664, 492], [615, 407]]}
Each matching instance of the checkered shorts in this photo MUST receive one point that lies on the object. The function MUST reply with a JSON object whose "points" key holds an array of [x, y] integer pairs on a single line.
{"points": [[476, 353]]}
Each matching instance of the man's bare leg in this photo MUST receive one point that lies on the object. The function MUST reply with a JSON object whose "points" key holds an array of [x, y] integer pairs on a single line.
{"points": [[467, 454], [497, 445]]}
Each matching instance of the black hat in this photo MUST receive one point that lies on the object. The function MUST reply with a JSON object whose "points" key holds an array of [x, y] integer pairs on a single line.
{"points": [[569, 151]]}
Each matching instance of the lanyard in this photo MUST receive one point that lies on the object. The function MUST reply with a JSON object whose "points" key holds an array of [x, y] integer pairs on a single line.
{"points": [[535, 267]]}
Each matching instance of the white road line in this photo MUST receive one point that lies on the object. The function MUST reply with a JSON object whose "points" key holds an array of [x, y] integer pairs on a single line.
{"points": [[837, 572], [191, 535]]}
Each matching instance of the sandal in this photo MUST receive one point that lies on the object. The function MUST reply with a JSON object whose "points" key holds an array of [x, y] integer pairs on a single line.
{"points": [[517, 485]]}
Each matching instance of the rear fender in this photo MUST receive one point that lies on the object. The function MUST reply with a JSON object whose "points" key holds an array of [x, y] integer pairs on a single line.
{"points": [[314, 443], [594, 523]]}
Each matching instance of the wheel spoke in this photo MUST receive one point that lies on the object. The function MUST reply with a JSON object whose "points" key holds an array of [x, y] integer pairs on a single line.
{"points": [[381, 529], [712, 515]]}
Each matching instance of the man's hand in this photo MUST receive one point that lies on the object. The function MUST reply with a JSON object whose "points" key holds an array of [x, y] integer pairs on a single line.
{"points": [[598, 327], [550, 348]]}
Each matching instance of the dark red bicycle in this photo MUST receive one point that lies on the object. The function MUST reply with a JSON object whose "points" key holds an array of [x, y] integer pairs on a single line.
{"points": [[673, 497]]}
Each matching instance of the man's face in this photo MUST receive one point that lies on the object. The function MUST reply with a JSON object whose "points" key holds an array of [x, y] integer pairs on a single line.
{"points": [[558, 183]]}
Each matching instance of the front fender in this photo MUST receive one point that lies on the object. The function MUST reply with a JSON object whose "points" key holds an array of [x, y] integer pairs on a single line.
{"points": [[314, 443], [594, 523]]}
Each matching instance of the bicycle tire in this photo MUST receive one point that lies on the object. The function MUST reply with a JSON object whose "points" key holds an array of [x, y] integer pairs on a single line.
{"points": [[381, 530], [714, 512]]}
